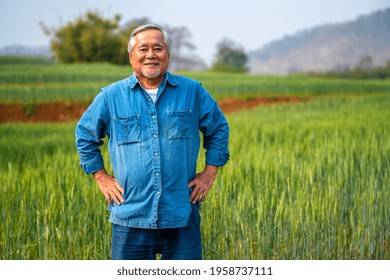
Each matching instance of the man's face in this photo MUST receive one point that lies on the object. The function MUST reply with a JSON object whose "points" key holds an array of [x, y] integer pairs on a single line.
{"points": [[149, 56]]}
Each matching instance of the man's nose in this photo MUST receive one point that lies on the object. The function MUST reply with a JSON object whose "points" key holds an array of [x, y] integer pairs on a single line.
{"points": [[150, 54]]}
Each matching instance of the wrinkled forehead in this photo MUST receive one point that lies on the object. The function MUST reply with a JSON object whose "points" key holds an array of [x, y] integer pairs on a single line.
{"points": [[150, 37]]}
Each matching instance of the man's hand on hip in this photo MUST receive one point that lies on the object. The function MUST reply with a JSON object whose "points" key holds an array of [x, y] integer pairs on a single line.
{"points": [[202, 183], [109, 187]]}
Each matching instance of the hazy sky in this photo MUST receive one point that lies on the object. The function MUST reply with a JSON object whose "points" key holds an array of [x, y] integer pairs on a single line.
{"points": [[250, 23]]}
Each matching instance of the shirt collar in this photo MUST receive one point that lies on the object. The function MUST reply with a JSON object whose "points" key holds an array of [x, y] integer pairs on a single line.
{"points": [[169, 78]]}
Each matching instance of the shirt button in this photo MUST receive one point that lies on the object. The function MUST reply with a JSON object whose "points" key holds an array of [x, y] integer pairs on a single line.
{"points": [[154, 135], [153, 117], [157, 174], [158, 193], [156, 154]]}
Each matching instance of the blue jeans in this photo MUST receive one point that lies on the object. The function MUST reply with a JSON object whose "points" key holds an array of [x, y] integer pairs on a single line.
{"points": [[173, 244]]}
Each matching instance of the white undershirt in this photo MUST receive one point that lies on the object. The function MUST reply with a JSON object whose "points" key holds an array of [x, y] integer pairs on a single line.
{"points": [[152, 93]]}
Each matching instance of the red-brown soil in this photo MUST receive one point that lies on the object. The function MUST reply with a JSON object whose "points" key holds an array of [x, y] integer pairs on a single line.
{"points": [[231, 105], [63, 112]]}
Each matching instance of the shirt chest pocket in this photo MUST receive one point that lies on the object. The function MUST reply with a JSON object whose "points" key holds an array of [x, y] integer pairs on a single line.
{"points": [[128, 129], [179, 124]]}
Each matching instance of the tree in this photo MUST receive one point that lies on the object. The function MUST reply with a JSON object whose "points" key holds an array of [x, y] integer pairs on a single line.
{"points": [[230, 57], [90, 38], [365, 63], [182, 56]]}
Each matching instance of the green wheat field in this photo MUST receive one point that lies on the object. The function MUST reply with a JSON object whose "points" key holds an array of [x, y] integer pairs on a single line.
{"points": [[306, 181]]}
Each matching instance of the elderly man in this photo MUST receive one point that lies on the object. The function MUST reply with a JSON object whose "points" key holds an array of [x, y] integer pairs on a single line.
{"points": [[152, 120]]}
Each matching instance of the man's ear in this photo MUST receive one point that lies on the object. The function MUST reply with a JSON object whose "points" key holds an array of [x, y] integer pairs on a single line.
{"points": [[130, 58]]}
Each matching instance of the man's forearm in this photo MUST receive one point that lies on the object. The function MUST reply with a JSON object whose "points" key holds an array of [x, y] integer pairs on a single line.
{"points": [[99, 174], [211, 169]]}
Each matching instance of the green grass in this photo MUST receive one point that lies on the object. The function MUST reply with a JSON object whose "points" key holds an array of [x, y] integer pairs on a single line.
{"points": [[47, 193], [56, 82], [42, 83], [305, 181]]}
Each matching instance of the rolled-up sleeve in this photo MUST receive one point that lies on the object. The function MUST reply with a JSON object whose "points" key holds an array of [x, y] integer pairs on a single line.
{"points": [[90, 130], [215, 129]]}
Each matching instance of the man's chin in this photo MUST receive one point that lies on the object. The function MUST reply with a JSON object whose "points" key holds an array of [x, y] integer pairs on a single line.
{"points": [[152, 75]]}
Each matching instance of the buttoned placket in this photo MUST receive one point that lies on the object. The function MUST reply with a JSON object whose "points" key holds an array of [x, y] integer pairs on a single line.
{"points": [[156, 156]]}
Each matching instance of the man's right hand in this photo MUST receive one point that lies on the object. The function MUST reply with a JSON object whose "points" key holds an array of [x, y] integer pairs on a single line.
{"points": [[109, 187]]}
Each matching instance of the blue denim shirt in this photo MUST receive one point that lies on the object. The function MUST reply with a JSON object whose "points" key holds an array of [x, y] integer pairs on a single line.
{"points": [[153, 147]]}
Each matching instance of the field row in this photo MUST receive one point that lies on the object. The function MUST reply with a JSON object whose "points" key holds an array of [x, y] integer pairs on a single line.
{"points": [[81, 83]]}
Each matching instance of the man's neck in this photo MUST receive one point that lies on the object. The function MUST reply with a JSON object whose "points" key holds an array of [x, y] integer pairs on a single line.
{"points": [[150, 83]]}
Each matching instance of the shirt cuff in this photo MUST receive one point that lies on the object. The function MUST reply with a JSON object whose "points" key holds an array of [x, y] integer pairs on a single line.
{"points": [[93, 165], [217, 158]]}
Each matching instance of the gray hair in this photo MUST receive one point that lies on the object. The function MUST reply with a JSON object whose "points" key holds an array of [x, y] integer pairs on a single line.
{"points": [[167, 39]]}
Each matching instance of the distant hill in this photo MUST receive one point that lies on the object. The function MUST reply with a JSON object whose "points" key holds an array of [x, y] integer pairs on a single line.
{"points": [[365, 40], [19, 50]]}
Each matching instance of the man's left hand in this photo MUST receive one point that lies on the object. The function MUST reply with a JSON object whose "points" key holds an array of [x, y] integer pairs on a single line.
{"points": [[202, 183]]}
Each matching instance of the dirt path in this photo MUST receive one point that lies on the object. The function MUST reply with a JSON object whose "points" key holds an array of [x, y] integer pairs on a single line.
{"points": [[63, 112]]}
